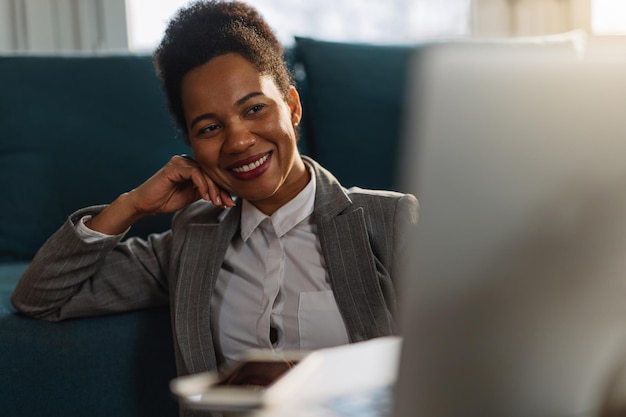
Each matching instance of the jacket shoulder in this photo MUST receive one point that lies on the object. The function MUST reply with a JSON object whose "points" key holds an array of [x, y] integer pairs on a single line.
{"points": [[364, 196], [386, 206]]}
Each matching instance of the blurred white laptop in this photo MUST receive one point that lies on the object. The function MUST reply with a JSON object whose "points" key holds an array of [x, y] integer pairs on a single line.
{"points": [[516, 304]]}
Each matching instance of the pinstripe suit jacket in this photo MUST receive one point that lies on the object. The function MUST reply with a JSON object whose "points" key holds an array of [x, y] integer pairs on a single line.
{"points": [[361, 234]]}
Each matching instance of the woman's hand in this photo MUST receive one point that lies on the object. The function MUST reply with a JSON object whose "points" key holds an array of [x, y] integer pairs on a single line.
{"points": [[179, 183]]}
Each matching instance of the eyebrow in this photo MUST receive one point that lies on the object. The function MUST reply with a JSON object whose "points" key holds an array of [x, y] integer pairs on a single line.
{"points": [[239, 102]]}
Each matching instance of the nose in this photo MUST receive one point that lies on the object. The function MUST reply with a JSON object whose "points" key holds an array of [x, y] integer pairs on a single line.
{"points": [[238, 138]]}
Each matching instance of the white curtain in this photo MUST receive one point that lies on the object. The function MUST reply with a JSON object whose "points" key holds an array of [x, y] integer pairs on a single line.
{"points": [[51, 26]]}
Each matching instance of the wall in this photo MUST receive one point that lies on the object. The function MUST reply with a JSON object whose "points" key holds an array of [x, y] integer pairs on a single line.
{"points": [[493, 18]]}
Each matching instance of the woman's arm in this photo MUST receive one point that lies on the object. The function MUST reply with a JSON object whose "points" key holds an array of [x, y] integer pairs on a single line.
{"points": [[72, 276], [179, 183]]}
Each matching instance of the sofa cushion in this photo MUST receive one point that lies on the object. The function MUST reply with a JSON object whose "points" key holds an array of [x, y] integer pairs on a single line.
{"points": [[354, 102], [10, 273], [355, 98], [107, 366], [102, 366], [76, 131]]}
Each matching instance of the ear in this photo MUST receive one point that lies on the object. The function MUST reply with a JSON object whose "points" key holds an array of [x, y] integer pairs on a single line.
{"points": [[293, 101]]}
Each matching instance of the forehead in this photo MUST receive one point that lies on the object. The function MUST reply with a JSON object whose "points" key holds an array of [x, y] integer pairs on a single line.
{"points": [[228, 76]]}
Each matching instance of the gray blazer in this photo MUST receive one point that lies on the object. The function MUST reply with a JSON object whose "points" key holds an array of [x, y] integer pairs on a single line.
{"points": [[361, 232]]}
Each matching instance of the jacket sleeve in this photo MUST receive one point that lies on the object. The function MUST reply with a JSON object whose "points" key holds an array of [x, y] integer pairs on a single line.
{"points": [[69, 277]]}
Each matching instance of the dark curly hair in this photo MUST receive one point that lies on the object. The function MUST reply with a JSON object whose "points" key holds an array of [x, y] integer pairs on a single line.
{"points": [[206, 29]]}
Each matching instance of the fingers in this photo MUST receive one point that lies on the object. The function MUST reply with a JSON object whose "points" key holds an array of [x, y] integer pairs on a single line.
{"points": [[227, 199], [218, 196], [214, 192], [205, 187]]}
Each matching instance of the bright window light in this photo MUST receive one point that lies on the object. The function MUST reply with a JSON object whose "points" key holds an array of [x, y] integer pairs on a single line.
{"points": [[608, 17], [147, 20], [341, 20]]}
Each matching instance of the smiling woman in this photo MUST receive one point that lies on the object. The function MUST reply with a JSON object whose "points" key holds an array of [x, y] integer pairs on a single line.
{"points": [[230, 107], [266, 250]]}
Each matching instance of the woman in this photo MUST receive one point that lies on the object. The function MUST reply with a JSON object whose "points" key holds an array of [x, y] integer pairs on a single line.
{"points": [[294, 261]]}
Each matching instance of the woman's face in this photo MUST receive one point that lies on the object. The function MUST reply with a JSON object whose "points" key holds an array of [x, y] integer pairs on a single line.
{"points": [[241, 130]]}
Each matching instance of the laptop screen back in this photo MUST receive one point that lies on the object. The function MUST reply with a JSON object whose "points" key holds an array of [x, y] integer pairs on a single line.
{"points": [[515, 301]]}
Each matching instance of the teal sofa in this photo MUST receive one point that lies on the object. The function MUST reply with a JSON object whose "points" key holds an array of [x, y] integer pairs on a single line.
{"points": [[79, 130]]}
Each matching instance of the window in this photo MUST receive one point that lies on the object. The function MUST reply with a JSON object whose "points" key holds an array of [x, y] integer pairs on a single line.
{"points": [[347, 20], [146, 21], [608, 17]]}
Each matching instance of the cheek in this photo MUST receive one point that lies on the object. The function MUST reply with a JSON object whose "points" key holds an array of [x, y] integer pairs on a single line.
{"points": [[288, 131], [206, 155], [276, 126]]}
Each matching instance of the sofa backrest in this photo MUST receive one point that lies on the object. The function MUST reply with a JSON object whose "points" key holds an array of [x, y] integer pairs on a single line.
{"points": [[75, 131], [356, 100], [80, 130], [353, 107]]}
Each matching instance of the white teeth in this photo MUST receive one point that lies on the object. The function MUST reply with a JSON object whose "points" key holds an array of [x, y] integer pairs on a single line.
{"points": [[251, 166]]}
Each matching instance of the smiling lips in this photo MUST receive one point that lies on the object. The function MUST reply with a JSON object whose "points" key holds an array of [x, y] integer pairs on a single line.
{"points": [[252, 169]]}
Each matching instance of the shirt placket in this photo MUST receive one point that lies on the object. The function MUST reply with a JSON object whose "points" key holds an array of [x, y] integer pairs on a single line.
{"points": [[272, 295]]}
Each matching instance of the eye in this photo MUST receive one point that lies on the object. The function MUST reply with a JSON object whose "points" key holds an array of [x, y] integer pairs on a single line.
{"points": [[208, 130], [256, 108]]}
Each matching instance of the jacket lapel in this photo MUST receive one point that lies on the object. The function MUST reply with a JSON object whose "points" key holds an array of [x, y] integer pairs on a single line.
{"points": [[345, 244], [205, 247], [350, 260]]}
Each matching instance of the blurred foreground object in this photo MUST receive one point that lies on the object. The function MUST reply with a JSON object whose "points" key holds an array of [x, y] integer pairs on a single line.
{"points": [[516, 295]]}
